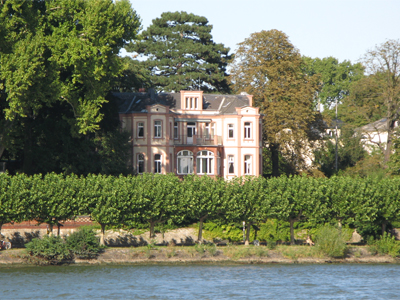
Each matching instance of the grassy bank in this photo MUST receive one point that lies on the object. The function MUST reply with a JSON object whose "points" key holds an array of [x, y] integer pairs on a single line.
{"points": [[213, 254]]}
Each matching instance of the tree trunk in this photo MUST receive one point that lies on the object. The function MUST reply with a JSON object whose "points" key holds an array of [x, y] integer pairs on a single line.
{"points": [[292, 240], [340, 224], [2, 148], [50, 229], [200, 234], [274, 159], [384, 223], [103, 230], [152, 223], [247, 241], [58, 229], [388, 150]]}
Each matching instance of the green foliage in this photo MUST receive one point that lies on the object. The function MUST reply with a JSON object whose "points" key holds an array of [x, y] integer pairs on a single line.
{"points": [[49, 250], [268, 66], [180, 54], [387, 244], [376, 96], [204, 198], [273, 230], [134, 76], [350, 151], [271, 245], [84, 244], [331, 242], [232, 232], [335, 77], [277, 209], [57, 72]]}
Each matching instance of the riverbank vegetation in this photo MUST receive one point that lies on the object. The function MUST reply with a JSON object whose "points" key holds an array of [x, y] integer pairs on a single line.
{"points": [[208, 254], [81, 244]]}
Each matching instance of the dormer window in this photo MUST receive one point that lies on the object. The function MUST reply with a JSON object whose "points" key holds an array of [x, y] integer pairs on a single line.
{"points": [[192, 102]]}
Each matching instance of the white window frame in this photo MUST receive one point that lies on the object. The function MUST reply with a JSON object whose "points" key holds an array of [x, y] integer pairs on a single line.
{"points": [[205, 159], [247, 164], [231, 162], [209, 130], [157, 129], [176, 130], [157, 163], [139, 162], [231, 128], [185, 161], [140, 125], [247, 130]]}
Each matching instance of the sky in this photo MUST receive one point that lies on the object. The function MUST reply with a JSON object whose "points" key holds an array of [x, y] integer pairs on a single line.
{"points": [[344, 29]]}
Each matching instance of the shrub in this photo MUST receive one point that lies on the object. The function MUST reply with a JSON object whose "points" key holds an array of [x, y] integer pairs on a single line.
{"points": [[271, 245], [386, 245], [49, 250], [272, 230], [84, 244], [331, 242]]}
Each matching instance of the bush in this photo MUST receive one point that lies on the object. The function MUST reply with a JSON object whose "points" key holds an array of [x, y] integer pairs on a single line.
{"points": [[231, 232], [84, 244], [271, 245], [50, 250], [386, 245], [273, 230], [331, 242]]}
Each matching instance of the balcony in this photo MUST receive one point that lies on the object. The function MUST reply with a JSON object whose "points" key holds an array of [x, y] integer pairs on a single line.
{"points": [[198, 140]]}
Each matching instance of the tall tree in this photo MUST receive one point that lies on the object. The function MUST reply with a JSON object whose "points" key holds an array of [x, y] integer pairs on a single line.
{"points": [[269, 67], [335, 78], [247, 202], [60, 51], [349, 152], [133, 77], [204, 198], [378, 95], [181, 54]]}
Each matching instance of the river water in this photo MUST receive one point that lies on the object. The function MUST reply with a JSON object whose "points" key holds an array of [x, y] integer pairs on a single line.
{"points": [[206, 281]]}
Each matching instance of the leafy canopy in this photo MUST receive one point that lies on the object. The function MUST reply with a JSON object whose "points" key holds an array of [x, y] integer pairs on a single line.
{"points": [[180, 54], [269, 67], [62, 51]]}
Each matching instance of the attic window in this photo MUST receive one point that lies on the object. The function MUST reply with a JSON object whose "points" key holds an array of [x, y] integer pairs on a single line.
{"points": [[191, 102]]}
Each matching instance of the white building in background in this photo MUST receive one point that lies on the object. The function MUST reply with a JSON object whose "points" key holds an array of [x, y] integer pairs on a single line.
{"points": [[193, 133], [375, 134]]}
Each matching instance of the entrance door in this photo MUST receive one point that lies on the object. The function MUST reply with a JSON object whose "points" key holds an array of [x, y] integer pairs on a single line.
{"points": [[191, 131]]}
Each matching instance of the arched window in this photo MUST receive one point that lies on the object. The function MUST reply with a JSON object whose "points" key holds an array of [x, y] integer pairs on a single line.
{"points": [[205, 162], [185, 162]]}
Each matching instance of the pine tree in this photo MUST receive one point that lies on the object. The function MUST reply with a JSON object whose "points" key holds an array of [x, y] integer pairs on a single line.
{"points": [[181, 54]]}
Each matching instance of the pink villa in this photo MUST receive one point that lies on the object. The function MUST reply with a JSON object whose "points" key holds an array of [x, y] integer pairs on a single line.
{"points": [[193, 133]]}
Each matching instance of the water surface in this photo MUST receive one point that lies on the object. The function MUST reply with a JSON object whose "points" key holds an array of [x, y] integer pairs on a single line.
{"points": [[194, 281]]}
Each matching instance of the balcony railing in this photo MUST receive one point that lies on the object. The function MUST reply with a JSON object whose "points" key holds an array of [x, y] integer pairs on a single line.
{"points": [[198, 140]]}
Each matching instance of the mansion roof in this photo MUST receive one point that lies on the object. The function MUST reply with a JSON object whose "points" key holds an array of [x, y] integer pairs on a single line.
{"points": [[138, 102]]}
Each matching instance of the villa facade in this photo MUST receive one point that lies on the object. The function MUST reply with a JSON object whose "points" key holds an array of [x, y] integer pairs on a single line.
{"points": [[193, 133]]}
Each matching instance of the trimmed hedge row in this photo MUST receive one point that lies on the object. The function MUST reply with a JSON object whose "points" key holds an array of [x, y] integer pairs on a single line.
{"points": [[369, 204]]}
